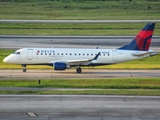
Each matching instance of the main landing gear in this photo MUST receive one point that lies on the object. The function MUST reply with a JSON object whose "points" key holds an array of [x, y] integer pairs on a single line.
{"points": [[24, 68], [78, 69]]}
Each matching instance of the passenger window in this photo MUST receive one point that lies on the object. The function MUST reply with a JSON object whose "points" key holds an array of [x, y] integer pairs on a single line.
{"points": [[41, 53], [45, 53], [49, 53]]}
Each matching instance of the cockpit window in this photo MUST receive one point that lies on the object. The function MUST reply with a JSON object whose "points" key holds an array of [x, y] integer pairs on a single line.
{"points": [[17, 53]]}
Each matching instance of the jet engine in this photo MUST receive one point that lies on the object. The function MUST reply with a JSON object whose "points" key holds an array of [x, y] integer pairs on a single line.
{"points": [[61, 66]]}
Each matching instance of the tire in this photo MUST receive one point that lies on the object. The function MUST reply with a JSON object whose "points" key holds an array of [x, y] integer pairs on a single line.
{"points": [[79, 70], [24, 70]]}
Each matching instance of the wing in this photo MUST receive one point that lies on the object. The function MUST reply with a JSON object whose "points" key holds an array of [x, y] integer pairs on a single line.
{"points": [[83, 60]]}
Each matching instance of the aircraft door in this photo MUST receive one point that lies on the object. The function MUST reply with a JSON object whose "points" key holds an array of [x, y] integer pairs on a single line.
{"points": [[30, 54], [114, 55]]}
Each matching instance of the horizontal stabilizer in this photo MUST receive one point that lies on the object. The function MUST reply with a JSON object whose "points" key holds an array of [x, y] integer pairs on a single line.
{"points": [[145, 53], [140, 54], [152, 53]]}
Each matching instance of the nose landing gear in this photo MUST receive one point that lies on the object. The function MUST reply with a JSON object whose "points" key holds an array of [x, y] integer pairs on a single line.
{"points": [[24, 68]]}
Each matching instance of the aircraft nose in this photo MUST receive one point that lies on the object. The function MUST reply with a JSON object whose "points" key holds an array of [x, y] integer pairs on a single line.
{"points": [[5, 60]]}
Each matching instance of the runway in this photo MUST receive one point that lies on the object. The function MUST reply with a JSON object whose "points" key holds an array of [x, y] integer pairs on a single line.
{"points": [[107, 42], [71, 73], [79, 107]]}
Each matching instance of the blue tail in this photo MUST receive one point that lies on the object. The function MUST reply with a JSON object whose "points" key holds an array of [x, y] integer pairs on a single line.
{"points": [[142, 40]]}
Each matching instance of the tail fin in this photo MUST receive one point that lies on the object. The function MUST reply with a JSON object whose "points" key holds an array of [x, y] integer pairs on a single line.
{"points": [[142, 40]]}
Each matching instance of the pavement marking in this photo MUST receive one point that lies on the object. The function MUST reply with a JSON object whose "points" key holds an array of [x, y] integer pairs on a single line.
{"points": [[32, 114]]}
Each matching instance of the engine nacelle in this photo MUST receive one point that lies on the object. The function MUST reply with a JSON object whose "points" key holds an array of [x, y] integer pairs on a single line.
{"points": [[61, 66]]}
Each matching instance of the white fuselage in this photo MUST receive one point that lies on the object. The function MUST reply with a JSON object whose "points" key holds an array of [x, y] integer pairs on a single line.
{"points": [[48, 56]]}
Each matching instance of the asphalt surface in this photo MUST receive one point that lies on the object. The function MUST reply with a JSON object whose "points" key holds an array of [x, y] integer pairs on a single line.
{"points": [[60, 89], [79, 107], [16, 42], [71, 73], [75, 107]]}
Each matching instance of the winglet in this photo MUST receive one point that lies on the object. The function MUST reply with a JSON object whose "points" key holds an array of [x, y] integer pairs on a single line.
{"points": [[95, 58]]}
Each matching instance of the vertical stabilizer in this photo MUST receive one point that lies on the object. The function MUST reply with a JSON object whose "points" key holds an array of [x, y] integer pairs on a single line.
{"points": [[142, 40]]}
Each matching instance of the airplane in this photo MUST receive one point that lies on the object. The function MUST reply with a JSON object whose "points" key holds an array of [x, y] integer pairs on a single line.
{"points": [[65, 58]]}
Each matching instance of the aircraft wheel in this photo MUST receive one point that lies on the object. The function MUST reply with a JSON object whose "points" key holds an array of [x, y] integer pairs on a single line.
{"points": [[78, 70], [24, 70]]}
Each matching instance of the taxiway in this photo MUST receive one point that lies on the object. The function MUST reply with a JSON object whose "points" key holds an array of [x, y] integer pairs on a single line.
{"points": [[106, 42], [71, 73], [79, 107]]}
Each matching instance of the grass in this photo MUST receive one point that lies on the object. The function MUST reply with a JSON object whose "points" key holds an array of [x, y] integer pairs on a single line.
{"points": [[122, 86], [79, 9], [146, 63], [117, 83], [98, 29]]}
